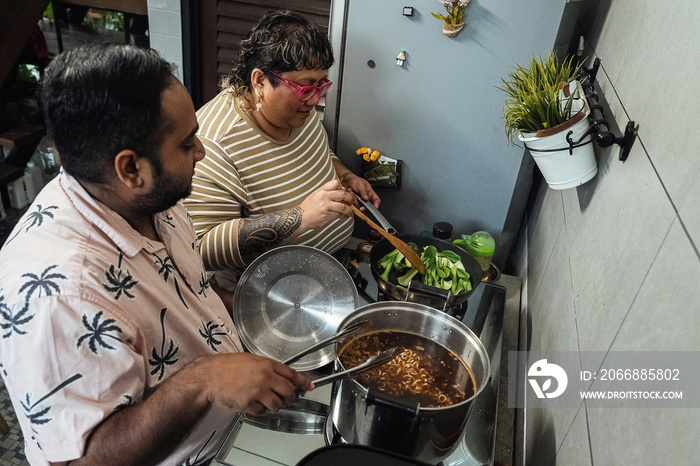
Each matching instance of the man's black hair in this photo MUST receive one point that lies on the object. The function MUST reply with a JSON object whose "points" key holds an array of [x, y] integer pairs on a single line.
{"points": [[101, 99]]}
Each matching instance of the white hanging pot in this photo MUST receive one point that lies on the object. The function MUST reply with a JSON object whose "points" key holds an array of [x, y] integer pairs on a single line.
{"points": [[565, 158]]}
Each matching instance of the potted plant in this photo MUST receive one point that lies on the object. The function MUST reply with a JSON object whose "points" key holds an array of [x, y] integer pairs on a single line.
{"points": [[453, 22], [547, 111]]}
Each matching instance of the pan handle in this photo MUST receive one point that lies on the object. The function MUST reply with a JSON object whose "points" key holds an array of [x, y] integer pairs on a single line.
{"points": [[422, 288], [383, 222]]}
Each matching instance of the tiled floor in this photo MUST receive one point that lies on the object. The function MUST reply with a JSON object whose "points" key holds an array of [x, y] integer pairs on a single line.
{"points": [[11, 444]]}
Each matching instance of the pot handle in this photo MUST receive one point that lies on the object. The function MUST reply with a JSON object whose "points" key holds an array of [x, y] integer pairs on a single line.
{"points": [[377, 398]]}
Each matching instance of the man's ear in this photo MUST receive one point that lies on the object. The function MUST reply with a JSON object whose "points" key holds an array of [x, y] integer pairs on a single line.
{"points": [[131, 169]]}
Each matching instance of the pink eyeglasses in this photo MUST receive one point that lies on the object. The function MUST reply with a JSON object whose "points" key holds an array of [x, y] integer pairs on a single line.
{"points": [[307, 92]]}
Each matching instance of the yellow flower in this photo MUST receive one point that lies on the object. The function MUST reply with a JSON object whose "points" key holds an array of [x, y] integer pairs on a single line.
{"points": [[374, 156], [366, 157]]}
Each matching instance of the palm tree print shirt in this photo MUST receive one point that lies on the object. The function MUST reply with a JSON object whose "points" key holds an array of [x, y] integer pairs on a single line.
{"points": [[94, 316]]}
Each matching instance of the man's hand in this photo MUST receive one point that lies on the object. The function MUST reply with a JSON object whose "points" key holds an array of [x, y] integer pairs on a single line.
{"points": [[251, 384], [145, 433]]}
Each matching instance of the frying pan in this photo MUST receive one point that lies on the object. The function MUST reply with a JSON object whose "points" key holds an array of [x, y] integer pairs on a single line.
{"points": [[418, 292]]}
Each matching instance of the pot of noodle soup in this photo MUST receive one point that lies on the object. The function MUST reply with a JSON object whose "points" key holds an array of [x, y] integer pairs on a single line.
{"points": [[417, 404]]}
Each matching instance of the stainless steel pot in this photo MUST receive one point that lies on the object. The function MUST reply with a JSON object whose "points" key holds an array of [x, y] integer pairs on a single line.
{"points": [[374, 419]]}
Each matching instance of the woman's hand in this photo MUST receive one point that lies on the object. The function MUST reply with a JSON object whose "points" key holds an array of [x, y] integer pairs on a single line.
{"points": [[329, 202], [362, 188]]}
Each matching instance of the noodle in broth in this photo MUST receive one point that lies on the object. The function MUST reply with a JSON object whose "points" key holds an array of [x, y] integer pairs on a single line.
{"points": [[425, 371]]}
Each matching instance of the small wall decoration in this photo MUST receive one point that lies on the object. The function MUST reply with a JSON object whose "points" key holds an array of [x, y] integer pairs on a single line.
{"points": [[401, 57], [453, 23], [380, 170]]}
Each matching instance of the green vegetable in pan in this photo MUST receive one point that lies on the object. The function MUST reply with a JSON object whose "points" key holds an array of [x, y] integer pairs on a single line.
{"points": [[395, 260], [442, 269]]}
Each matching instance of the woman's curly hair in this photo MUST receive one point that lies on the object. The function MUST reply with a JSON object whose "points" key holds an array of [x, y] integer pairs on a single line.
{"points": [[282, 41]]}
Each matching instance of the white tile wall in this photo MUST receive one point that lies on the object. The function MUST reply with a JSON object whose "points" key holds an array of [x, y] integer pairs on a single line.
{"points": [[613, 241], [165, 30], [615, 264]]}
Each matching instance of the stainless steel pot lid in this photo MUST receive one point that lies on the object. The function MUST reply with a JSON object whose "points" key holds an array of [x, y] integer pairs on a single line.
{"points": [[290, 298], [306, 417]]}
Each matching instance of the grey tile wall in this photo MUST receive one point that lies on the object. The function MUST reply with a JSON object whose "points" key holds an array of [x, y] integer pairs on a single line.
{"points": [[614, 264]]}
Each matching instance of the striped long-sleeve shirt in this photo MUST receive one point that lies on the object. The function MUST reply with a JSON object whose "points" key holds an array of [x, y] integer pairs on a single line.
{"points": [[247, 174]]}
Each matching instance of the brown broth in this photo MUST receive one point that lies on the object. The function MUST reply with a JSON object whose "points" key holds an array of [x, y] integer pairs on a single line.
{"points": [[425, 371]]}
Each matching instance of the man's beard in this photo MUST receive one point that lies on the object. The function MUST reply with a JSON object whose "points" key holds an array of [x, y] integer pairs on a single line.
{"points": [[166, 192]]}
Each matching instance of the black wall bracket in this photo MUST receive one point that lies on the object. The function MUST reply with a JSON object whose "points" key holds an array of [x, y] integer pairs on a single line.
{"points": [[599, 125]]}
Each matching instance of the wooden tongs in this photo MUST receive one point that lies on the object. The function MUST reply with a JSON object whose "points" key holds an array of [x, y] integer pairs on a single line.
{"points": [[403, 248]]}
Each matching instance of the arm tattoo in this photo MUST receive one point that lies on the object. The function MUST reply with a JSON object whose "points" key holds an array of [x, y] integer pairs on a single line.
{"points": [[260, 234]]}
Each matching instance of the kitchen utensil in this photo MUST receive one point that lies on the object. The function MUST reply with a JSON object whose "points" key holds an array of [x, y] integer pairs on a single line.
{"points": [[301, 417], [349, 330], [290, 298], [378, 215], [355, 454], [372, 362], [404, 248], [372, 418], [307, 416]]}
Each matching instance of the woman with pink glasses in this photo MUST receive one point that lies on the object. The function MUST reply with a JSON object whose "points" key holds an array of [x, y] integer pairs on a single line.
{"points": [[269, 177]]}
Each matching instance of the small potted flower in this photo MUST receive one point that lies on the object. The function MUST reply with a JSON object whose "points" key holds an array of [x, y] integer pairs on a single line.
{"points": [[378, 169], [453, 22]]}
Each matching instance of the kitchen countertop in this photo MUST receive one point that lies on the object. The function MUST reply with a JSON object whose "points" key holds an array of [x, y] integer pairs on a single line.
{"points": [[505, 418]]}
